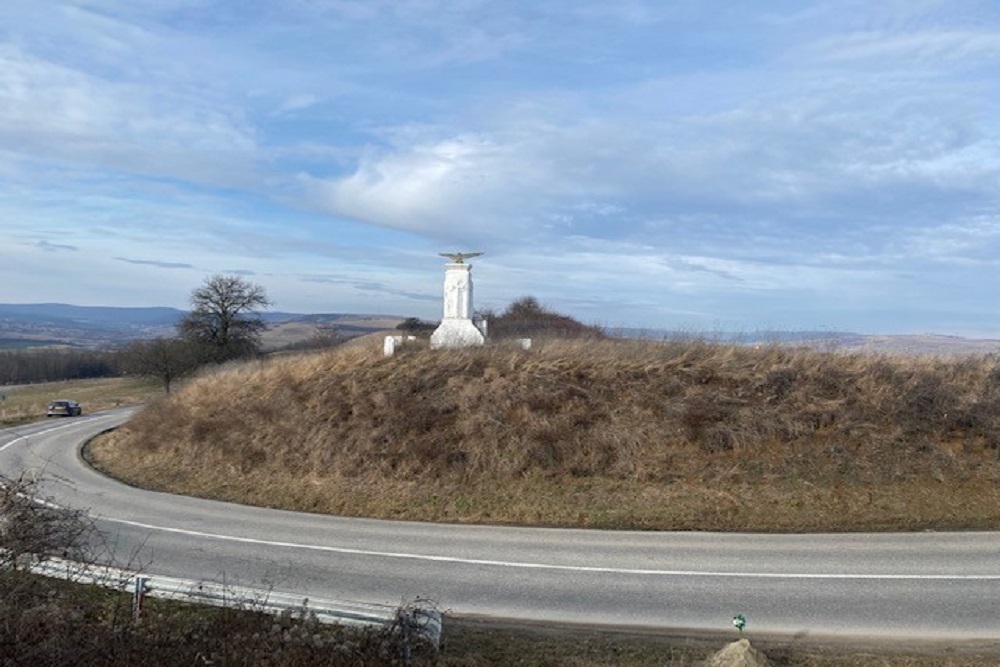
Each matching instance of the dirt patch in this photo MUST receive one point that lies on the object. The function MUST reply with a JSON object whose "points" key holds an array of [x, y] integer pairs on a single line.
{"points": [[738, 654]]}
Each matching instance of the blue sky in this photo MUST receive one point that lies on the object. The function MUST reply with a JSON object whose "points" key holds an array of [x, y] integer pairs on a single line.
{"points": [[698, 165]]}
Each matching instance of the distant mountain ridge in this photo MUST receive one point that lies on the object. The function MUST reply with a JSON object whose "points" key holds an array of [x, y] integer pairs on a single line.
{"points": [[26, 325], [29, 325], [47, 324], [841, 341], [747, 337], [63, 311]]}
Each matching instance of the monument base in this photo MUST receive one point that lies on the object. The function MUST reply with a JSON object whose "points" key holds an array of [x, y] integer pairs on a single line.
{"points": [[457, 332]]}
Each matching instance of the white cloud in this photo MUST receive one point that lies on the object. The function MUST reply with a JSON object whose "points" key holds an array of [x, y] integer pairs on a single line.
{"points": [[933, 48], [297, 103], [821, 151], [62, 115], [637, 161], [463, 185]]}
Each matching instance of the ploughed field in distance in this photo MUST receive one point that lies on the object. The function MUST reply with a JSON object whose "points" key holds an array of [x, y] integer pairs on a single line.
{"points": [[672, 435]]}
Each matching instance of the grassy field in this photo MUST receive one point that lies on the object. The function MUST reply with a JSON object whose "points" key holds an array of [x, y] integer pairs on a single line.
{"points": [[24, 403], [679, 435]]}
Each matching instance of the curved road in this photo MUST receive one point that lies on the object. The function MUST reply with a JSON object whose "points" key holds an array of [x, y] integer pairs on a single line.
{"points": [[926, 585]]}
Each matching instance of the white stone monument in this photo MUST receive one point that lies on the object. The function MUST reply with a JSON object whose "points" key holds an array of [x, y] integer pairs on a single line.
{"points": [[457, 328]]}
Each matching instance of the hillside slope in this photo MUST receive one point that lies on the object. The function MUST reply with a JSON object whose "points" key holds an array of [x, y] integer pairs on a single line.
{"points": [[677, 435]]}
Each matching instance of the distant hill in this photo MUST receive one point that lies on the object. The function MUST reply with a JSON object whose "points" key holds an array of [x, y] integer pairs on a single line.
{"points": [[57, 324], [288, 328], [844, 341], [926, 344], [745, 337], [28, 325], [93, 314]]}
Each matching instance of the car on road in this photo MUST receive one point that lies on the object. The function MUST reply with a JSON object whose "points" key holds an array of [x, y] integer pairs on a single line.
{"points": [[63, 407]]}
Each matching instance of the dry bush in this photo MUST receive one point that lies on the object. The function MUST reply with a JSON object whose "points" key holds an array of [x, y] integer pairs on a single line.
{"points": [[333, 431], [45, 622], [33, 528], [52, 622]]}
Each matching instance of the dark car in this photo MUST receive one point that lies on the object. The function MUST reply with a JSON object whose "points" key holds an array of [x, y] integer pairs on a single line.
{"points": [[64, 407]]}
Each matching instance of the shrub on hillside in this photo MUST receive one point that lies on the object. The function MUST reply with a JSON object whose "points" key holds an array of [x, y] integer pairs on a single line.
{"points": [[527, 318], [414, 326]]}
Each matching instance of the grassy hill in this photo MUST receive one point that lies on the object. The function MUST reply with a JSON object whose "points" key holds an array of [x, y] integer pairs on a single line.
{"points": [[603, 433]]}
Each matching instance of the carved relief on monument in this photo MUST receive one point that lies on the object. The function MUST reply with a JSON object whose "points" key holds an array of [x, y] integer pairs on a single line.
{"points": [[457, 291], [457, 328]]}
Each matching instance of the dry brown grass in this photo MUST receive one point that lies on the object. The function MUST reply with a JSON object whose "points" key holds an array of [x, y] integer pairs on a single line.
{"points": [[45, 622], [472, 642], [674, 435]]}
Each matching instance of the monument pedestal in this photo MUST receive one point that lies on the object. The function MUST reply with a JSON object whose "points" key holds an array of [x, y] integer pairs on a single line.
{"points": [[457, 332]]}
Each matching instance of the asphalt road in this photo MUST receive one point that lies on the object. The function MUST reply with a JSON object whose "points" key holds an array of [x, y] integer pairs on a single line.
{"points": [[923, 585]]}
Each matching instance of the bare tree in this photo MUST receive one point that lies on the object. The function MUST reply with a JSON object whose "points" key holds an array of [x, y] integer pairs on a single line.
{"points": [[165, 359], [224, 319], [34, 529]]}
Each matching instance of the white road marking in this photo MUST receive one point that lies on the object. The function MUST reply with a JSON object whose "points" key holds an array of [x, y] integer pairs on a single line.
{"points": [[547, 566], [48, 430], [516, 564]]}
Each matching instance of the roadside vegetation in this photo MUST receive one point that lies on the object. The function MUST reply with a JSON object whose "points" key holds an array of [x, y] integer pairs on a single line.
{"points": [[47, 621], [52, 622], [478, 643]]}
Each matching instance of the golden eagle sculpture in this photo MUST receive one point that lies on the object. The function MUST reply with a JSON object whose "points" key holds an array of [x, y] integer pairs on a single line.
{"points": [[460, 257]]}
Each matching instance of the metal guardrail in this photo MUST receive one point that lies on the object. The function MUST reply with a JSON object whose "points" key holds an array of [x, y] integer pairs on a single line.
{"points": [[422, 621]]}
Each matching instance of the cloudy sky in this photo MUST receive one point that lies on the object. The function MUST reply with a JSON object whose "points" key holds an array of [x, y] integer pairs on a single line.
{"points": [[693, 164]]}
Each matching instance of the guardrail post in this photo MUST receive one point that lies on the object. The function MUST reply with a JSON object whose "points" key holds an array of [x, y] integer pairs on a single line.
{"points": [[140, 587]]}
